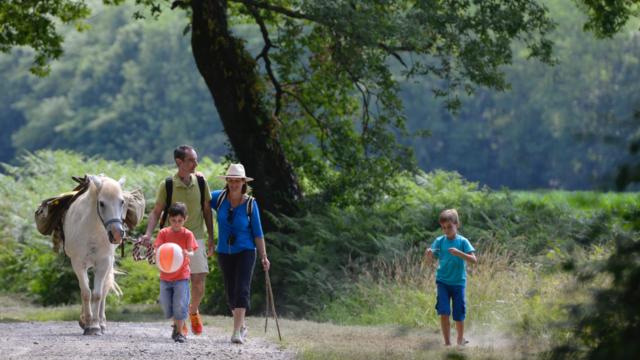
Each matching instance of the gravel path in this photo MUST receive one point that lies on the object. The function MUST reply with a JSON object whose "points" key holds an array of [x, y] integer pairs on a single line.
{"points": [[123, 340]]}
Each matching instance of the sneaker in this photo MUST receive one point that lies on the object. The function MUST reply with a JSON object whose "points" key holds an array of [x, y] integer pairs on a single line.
{"points": [[174, 332], [196, 323], [464, 342], [244, 332], [236, 338], [179, 338]]}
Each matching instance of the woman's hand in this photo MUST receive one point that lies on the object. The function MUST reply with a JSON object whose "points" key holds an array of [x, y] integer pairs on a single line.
{"points": [[265, 263]]}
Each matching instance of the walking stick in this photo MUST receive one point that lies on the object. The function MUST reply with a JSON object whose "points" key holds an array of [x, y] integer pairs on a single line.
{"points": [[271, 302]]}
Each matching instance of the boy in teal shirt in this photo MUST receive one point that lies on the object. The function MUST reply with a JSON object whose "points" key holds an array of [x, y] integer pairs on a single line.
{"points": [[452, 252]]}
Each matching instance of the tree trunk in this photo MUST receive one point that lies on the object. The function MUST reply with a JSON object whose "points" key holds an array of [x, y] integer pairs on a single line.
{"points": [[230, 73]]}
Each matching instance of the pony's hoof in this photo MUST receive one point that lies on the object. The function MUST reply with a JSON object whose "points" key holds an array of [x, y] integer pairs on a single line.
{"points": [[83, 326], [92, 331], [102, 329]]}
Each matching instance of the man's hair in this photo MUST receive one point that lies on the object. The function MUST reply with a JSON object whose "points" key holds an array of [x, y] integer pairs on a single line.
{"points": [[181, 151], [177, 209], [449, 215]]}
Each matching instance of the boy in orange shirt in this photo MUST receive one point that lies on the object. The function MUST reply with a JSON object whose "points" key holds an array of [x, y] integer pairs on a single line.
{"points": [[174, 287]]}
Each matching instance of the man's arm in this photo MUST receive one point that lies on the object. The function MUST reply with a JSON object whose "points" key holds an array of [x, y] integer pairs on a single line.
{"points": [[154, 215]]}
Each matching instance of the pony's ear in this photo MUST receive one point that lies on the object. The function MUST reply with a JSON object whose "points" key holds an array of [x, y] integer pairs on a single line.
{"points": [[122, 181], [96, 180]]}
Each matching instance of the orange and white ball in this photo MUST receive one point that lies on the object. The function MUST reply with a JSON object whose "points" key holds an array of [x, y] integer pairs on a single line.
{"points": [[169, 257]]}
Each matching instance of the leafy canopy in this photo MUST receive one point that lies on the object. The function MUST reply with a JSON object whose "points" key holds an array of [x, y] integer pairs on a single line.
{"points": [[332, 68]]}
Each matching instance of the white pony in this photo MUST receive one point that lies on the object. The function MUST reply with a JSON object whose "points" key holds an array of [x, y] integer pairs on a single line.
{"points": [[93, 227]]}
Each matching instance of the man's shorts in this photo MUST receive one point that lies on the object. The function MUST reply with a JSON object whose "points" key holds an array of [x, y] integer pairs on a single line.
{"points": [[448, 294], [199, 263]]}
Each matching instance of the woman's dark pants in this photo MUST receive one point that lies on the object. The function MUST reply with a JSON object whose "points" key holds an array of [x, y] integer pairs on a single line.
{"points": [[237, 270]]}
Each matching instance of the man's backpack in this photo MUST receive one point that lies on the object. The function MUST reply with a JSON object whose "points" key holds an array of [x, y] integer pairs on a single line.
{"points": [[249, 204], [168, 185]]}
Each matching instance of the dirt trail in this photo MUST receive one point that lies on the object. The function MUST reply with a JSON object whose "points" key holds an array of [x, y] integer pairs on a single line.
{"points": [[124, 340]]}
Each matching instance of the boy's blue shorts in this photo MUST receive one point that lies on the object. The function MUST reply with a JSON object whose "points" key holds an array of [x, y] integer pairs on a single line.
{"points": [[448, 294], [174, 298]]}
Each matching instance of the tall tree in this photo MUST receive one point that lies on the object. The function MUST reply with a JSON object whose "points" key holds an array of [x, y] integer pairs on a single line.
{"points": [[321, 94]]}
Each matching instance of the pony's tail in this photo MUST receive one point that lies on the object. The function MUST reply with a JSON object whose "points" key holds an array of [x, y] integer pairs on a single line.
{"points": [[111, 282]]}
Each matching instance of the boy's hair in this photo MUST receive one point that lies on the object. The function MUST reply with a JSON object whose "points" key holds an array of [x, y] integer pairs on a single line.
{"points": [[178, 209], [449, 215]]}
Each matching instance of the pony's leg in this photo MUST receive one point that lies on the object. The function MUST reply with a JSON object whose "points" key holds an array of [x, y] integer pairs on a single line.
{"points": [[106, 287], [97, 296], [103, 318], [85, 293]]}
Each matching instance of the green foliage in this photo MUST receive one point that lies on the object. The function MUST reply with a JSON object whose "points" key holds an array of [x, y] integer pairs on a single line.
{"points": [[33, 24], [318, 258], [140, 281], [563, 127], [111, 96], [607, 326], [107, 99], [607, 17]]}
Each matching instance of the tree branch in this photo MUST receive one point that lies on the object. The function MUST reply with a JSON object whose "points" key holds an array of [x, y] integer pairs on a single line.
{"points": [[278, 9], [264, 54]]}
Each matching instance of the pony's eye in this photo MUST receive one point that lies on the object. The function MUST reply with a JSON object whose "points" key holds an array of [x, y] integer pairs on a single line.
{"points": [[101, 204]]}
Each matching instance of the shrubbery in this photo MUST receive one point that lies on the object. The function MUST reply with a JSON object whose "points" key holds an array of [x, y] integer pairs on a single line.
{"points": [[357, 263]]}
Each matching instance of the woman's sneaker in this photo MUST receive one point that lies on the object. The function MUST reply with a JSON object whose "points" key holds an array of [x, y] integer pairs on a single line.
{"points": [[236, 338], [244, 332]]}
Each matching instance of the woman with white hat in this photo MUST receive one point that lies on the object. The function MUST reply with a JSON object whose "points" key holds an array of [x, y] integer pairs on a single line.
{"points": [[239, 236]]}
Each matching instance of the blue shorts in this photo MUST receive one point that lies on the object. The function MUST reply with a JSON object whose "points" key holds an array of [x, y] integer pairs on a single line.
{"points": [[448, 294], [174, 298]]}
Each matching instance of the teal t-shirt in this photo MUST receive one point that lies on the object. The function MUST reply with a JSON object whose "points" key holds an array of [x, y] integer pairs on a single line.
{"points": [[452, 270]]}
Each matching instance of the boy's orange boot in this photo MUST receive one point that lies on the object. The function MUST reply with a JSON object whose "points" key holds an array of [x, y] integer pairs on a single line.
{"points": [[196, 323]]}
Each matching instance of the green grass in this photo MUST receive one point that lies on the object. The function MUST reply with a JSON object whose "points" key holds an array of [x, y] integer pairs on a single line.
{"points": [[586, 201]]}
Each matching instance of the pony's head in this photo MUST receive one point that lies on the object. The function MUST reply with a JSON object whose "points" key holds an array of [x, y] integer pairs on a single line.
{"points": [[110, 206]]}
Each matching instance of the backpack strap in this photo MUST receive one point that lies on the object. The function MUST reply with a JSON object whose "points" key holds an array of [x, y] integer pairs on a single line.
{"points": [[220, 199], [168, 186], [201, 187], [250, 202]]}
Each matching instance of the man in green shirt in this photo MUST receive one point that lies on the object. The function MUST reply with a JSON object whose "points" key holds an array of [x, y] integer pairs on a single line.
{"points": [[186, 190]]}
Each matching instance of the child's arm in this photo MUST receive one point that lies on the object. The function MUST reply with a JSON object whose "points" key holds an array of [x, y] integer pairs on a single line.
{"points": [[428, 255], [471, 257]]}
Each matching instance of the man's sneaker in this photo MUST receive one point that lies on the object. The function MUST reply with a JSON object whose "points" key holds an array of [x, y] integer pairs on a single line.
{"points": [[196, 323], [185, 330], [236, 338], [244, 332]]}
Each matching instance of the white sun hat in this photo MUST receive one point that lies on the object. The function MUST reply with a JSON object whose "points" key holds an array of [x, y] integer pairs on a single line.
{"points": [[235, 171]]}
